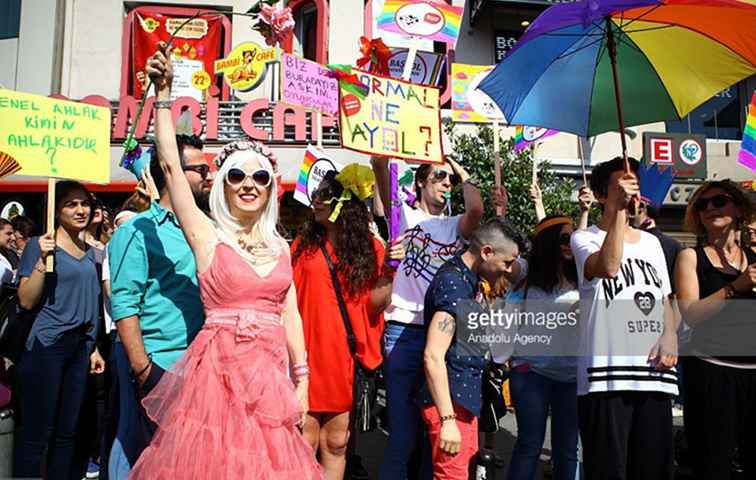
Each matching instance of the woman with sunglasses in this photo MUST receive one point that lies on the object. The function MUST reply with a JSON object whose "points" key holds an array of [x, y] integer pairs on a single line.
{"points": [[713, 279], [340, 228], [228, 408], [543, 385]]}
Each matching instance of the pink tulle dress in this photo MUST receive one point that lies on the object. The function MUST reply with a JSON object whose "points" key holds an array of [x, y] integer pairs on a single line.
{"points": [[227, 409]]}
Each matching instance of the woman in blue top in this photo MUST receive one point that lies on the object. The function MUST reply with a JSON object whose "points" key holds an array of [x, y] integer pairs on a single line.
{"points": [[538, 383], [63, 306]]}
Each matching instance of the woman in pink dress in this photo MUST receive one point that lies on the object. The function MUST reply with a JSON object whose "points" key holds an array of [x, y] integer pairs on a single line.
{"points": [[228, 408]]}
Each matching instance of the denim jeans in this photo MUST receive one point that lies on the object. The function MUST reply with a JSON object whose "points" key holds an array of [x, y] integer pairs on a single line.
{"points": [[533, 395], [135, 430], [53, 381], [403, 369]]}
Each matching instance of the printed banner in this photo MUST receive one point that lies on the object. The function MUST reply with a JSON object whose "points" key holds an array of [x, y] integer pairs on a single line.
{"points": [[395, 119], [245, 67], [747, 155], [314, 167], [55, 138], [426, 70], [468, 103], [525, 136], [195, 48], [308, 84], [424, 19]]}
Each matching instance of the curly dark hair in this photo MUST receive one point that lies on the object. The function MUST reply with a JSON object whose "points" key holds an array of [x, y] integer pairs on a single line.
{"points": [[546, 262], [354, 248]]}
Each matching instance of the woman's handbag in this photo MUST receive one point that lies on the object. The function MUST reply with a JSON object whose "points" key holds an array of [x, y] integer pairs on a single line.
{"points": [[364, 390]]}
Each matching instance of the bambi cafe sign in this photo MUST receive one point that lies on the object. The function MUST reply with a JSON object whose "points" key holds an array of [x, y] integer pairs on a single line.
{"points": [[283, 116]]}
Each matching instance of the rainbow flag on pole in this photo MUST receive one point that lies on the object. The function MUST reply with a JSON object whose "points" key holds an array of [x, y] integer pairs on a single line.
{"points": [[426, 19], [525, 136], [747, 154]]}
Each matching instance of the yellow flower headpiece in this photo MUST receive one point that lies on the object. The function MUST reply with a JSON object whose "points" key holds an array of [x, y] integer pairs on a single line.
{"points": [[357, 180]]}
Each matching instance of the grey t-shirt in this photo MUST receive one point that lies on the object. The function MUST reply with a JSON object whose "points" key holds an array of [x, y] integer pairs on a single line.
{"points": [[70, 298]]}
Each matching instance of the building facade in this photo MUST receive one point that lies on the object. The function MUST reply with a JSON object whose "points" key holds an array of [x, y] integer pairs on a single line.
{"points": [[84, 50]]}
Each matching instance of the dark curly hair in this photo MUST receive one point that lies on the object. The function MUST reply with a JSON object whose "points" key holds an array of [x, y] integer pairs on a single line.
{"points": [[546, 263], [355, 252]]}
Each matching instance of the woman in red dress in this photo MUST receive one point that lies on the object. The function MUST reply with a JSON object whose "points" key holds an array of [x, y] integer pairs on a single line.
{"points": [[340, 222]]}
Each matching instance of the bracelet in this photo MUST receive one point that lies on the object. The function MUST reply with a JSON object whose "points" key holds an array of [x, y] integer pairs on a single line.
{"points": [[730, 291], [448, 417], [471, 181], [137, 375], [163, 104]]}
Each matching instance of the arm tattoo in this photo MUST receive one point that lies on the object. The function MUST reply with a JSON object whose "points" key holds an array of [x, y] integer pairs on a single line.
{"points": [[447, 325]]}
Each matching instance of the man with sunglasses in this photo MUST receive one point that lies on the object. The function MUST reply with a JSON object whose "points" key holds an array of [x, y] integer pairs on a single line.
{"points": [[155, 302], [628, 338], [432, 238]]}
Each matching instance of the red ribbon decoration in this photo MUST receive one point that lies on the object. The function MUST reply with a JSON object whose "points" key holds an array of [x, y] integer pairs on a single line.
{"points": [[376, 53]]}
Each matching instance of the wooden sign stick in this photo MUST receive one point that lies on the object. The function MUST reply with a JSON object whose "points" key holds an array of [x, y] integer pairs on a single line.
{"points": [[582, 160], [497, 162], [319, 128], [50, 265]]}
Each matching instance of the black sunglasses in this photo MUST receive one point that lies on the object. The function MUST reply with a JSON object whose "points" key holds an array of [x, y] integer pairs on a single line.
{"points": [[203, 170], [261, 178], [439, 175], [718, 201], [564, 239]]}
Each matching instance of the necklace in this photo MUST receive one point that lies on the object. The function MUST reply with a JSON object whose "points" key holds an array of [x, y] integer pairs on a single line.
{"points": [[727, 263], [257, 251]]}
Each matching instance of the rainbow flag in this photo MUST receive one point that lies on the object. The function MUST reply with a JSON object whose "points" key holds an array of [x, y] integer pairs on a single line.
{"points": [[304, 171], [426, 19], [525, 136], [747, 154]]}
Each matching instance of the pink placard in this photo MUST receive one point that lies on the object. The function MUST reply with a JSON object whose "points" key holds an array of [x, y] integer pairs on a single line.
{"points": [[308, 85]]}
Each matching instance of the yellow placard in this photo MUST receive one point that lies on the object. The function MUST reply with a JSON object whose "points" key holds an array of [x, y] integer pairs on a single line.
{"points": [[244, 68], [395, 119], [55, 138]]}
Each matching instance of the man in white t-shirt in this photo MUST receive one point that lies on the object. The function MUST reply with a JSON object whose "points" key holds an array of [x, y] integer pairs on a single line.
{"points": [[628, 339], [431, 238]]}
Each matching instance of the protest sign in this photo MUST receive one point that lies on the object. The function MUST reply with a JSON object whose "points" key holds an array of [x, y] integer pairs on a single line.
{"points": [[423, 19], [314, 167], [309, 85], [468, 103], [55, 138], [426, 70], [244, 68], [395, 119]]}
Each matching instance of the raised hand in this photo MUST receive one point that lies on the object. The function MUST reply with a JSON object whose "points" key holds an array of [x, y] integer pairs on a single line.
{"points": [[160, 69]]}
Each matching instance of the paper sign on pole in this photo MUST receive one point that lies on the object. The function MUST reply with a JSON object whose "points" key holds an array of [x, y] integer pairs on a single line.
{"points": [[55, 138], [395, 119], [307, 84], [468, 103], [426, 70], [426, 19], [314, 167]]}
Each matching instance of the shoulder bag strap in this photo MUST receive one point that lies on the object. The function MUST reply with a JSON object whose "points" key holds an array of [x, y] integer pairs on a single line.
{"points": [[342, 306]]}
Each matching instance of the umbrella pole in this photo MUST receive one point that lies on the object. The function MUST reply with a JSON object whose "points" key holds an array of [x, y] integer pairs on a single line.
{"points": [[612, 48]]}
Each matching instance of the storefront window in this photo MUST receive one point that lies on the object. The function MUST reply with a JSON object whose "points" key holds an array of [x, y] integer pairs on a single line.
{"points": [[10, 18], [195, 48], [311, 32], [718, 118]]}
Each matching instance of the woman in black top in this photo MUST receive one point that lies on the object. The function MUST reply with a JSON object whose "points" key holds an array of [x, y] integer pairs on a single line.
{"points": [[713, 281]]}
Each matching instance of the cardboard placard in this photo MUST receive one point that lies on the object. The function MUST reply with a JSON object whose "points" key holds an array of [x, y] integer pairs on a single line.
{"points": [[308, 85], [468, 103], [314, 167], [424, 19], [396, 119], [55, 138]]}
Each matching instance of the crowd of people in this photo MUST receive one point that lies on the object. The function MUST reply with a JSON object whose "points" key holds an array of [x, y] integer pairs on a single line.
{"points": [[186, 337]]}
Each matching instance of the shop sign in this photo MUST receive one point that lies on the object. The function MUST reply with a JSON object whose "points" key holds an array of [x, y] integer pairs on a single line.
{"points": [[685, 153], [245, 67]]}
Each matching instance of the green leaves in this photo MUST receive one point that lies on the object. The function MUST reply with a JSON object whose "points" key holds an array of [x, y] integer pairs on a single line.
{"points": [[475, 153]]}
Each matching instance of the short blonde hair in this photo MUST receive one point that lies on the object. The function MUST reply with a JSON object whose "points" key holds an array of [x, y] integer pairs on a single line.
{"points": [[693, 222]]}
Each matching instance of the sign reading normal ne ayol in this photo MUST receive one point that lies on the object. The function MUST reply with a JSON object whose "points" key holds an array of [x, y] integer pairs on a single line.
{"points": [[395, 119], [55, 138]]}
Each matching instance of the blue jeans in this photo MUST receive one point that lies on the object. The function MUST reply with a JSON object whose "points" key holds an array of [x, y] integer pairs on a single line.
{"points": [[53, 381], [135, 430], [532, 395], [403, 369]]}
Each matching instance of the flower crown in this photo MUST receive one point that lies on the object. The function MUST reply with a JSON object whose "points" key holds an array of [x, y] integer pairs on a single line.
{"points": [[243, 145]]}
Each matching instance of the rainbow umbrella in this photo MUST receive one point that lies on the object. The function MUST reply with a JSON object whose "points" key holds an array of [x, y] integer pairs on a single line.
{"points": [[668, 56]]}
